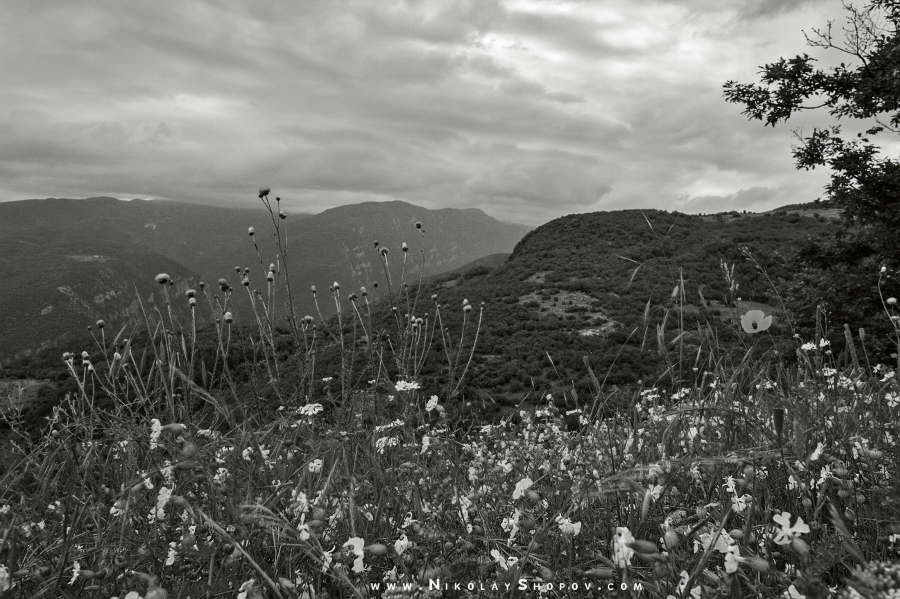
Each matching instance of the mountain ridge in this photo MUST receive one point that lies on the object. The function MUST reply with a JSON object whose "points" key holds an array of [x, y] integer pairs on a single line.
{"points": [[198, 242]]}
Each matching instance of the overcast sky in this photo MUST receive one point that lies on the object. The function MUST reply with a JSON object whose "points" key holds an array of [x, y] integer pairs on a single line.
{"points": [[528, 109]]}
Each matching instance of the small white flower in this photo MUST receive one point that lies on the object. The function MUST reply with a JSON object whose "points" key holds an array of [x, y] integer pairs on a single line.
{"points": [[303, 528], [432, 403], [221, 476], [740, 503], [622, 553], [503, 562], [818, 451], [732, 558], [407, 385], [793, 593], [170, 559], [355, 544], [161, 500], [567, 527], [401, 545], [522, 486], [5, 580], [316, 465], [155, 432], [787, 533], [730, 484], [246, 589], [310, 409]]}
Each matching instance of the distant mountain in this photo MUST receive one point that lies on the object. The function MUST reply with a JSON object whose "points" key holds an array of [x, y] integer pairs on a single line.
{"points": [[583, 284], [67, 263]]}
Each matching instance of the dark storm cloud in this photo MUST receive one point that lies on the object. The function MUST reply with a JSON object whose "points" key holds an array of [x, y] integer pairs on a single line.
{"points": [[536, 108]]}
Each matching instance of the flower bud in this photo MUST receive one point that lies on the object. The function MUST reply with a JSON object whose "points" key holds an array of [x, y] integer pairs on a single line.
{"points": [[264, 191], [600, 573], [643, 546], [670, 539], [376, 549], [189, 450], [175, 428], [757, 563], [800, 546]]}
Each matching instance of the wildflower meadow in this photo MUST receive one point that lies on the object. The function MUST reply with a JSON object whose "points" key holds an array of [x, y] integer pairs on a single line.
{"points": [[330, 468]]}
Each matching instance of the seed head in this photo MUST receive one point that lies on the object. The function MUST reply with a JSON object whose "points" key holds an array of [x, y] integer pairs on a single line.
{"points": [[363, 292], [229, 317], [375, 284], [202, 285], [237, 269], [100, 324], [272, 266], [245, 282], [270, 277], [250, 232], [384, 251], [336, 286], [192, 301], [223, 284], [282, 215], [892, 301], [264, 191], [418, 225], [376, 244], [190, 292], [313, 287], [404, 247], [434, 297], [163, 278]]}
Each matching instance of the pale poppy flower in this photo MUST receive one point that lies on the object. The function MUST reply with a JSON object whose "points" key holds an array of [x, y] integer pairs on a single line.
{"points": [[755, 321]]}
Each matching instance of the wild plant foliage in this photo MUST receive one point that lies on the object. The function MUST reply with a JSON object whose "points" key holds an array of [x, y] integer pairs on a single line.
{"points": [[174, 473]]}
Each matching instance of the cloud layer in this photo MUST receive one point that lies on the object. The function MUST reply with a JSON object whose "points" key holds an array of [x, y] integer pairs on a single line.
{"points": [[528, 109]]}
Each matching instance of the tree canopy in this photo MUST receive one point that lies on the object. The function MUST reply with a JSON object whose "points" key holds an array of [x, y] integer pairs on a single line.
{"points": [[865, 183]]}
